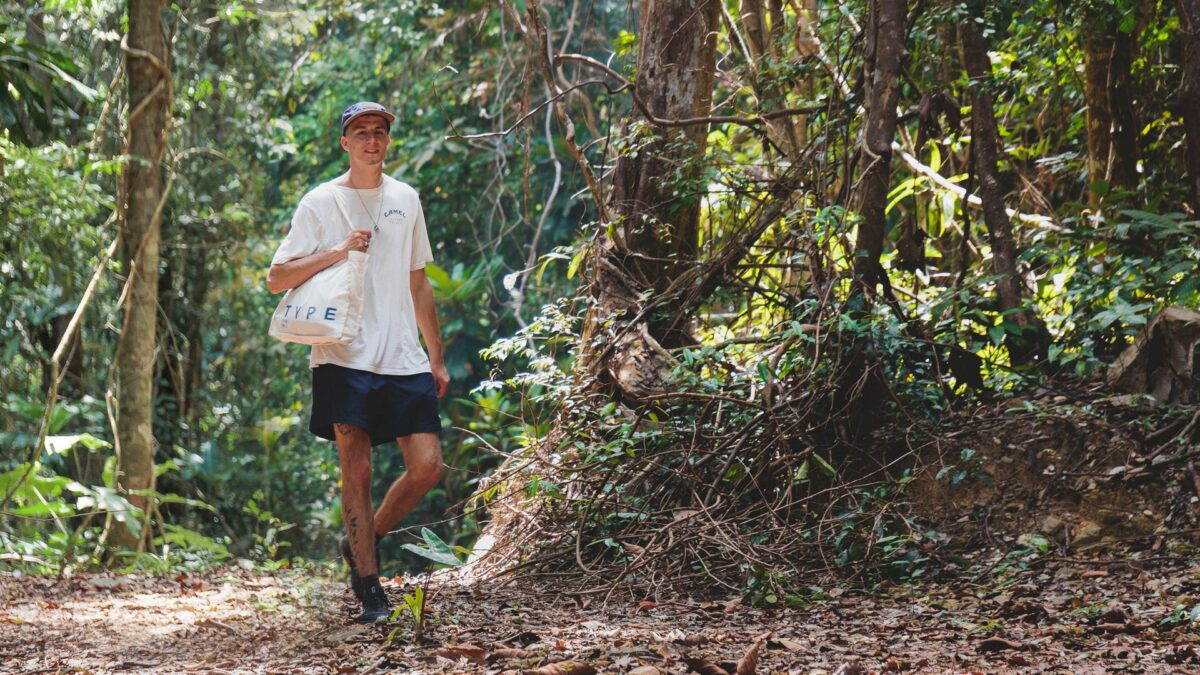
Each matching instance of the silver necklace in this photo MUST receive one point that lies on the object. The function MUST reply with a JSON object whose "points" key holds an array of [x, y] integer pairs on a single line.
{"points": [[375, 220]]}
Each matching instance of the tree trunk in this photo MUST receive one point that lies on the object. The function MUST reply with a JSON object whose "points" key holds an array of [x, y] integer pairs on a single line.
{"points": [[754, 21], [676, 64], [35, 36], [884, 53], [1111, 122], [762, 43], [807, 46], [656, 200], [1029, 344], [1189, 93], [149, 87]]}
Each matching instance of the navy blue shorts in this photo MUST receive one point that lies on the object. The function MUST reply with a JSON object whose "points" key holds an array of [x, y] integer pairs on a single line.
{"points": [[386, 406]]}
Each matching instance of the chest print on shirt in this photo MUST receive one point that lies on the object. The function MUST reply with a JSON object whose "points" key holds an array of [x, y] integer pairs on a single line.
{"points": [[391, 214]]}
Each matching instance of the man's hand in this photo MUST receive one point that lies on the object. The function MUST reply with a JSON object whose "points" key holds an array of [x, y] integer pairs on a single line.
{"points": [[357, 240], [441, 378]]}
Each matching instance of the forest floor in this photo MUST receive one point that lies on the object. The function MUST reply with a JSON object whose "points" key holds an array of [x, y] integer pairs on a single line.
{"points": [[1036, 614], [1078, 517]]}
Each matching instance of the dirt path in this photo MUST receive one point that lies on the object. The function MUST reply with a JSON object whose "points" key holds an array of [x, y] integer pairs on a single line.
{"points": [[1064, 616]]}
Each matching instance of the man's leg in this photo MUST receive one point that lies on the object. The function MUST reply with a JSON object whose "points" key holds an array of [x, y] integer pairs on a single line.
{"points": [[422, 470], [354, 453]]}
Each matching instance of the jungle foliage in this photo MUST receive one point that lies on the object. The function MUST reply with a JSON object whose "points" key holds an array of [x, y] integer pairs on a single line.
{"points": [[678, 318]]}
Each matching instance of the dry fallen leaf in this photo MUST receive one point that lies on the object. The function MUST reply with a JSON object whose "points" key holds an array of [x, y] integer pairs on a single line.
{"points": [[502, 654], [471, 653], [684, 514], [1118, 628], [645, 670], [704, 666], [789, 644], [563, 668], [694, 640], [749, 663], [997, 644]]}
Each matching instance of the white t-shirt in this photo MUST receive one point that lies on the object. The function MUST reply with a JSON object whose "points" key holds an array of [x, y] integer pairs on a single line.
{"points": [[388, 341]]}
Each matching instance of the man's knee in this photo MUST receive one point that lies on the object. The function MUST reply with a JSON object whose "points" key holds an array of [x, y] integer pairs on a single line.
{"points": [[422, 459], [426, 471]]}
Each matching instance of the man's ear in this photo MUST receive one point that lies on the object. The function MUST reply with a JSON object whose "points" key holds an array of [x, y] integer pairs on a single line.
{"points": [[345, 143]]}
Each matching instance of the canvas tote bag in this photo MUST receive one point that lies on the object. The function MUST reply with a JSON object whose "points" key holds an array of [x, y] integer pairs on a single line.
{"points": [[326, 309]]}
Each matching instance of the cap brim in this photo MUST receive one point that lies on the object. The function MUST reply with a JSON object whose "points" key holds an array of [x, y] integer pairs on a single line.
{"points": [[382, 113]]}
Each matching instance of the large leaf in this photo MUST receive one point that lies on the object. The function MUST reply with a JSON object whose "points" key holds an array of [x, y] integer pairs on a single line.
{"points": [[27, 486], [109, 500], [58, 445], [190, 540], [435, 549]]}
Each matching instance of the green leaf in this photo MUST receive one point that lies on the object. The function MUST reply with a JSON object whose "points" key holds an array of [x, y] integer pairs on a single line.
{"points": [[825, 466], [26, 484], [109, 500], [58, 445], [576, 260], [190, 540], [172, 498], [435, 550], [415, 601], [437, 275], [801, 473], [41, 509], [764, 371]]}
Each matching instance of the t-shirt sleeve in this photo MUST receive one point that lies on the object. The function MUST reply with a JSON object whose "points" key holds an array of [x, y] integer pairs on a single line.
{"points": [[303, 237], [421, 252]]}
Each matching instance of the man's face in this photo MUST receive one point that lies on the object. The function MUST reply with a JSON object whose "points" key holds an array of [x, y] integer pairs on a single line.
{"points": [[367, 139]]}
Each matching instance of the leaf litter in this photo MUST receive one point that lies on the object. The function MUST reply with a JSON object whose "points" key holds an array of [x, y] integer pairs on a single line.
{"points": [[1050, 615]]}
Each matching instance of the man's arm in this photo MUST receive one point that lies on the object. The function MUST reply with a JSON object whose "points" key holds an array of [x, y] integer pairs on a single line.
{"points": [[427, 321], [288, 275]]}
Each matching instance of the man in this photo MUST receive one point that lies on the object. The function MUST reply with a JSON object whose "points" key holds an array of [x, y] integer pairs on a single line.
{"points": [[381, 386]]}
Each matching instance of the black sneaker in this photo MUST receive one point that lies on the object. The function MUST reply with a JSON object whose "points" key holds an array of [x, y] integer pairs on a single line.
{"points": [[374, 602]]}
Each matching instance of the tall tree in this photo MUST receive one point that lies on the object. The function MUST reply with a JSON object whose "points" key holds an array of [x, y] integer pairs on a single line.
{"points": [[1028, 343], [149, 88], [656, 195], [35, 37], [883, 56], [1108, 49], [1189, 92]]}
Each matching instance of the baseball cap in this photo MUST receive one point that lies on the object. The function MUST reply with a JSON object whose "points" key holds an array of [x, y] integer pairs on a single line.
{"points": [[366, 108]]}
